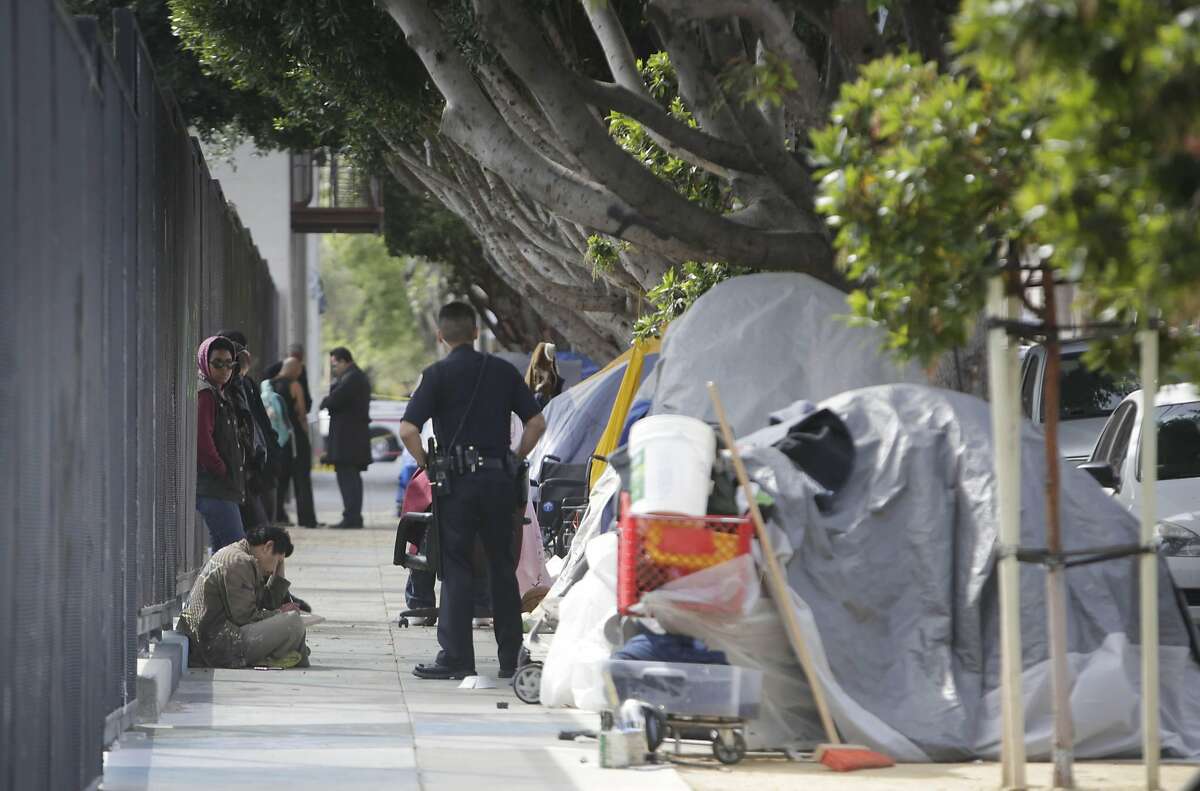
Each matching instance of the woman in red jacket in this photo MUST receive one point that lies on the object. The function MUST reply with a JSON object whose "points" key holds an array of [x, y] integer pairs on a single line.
{"points": [[220, 462]]}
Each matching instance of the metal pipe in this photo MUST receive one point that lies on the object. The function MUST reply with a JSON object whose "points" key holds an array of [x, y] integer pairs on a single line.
{"points": [[1148, 579], [1002, 362]]}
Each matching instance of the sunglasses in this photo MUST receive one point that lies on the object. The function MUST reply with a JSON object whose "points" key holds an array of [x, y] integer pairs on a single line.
{"points": [[221, 365]]}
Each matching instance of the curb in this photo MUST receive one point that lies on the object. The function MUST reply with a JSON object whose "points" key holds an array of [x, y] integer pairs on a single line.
{"points": [[158, 675]]}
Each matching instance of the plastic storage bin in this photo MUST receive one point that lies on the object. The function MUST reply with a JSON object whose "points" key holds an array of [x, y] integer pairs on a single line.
{"points": [[688, 690]]}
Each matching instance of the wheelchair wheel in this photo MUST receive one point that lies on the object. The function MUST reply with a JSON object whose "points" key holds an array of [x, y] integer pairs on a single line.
{"points": [[527, 683], [730, 752]]}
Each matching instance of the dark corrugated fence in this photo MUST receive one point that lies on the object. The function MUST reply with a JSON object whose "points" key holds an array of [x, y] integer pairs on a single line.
{"points": [[118, 254]]}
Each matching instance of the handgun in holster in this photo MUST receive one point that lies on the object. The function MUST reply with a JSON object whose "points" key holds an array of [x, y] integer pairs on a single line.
{"points": [[422, 528]]}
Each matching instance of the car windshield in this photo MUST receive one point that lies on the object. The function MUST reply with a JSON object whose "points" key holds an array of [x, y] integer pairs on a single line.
{"points": [[1178, 441], [1089, 394]]}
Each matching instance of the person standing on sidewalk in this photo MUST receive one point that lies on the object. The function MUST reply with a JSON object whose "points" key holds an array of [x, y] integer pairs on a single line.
{"points": [[298, 469], [349, 451], [220, 459], [263, 455], [295, 352], [470, 396]]}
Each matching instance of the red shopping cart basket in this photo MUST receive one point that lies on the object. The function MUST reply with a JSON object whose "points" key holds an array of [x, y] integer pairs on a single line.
{"points": [[654, 549]]}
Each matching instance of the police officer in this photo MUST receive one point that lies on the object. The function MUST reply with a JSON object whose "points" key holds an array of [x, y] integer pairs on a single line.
{"points": [[470, 397]]}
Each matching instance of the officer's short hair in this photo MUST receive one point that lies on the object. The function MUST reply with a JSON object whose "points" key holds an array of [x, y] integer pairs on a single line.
{"points": [[343, 354], [456, 320]]}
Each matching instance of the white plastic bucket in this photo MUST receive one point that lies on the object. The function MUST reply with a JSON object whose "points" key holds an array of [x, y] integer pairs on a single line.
{"points": [[671, 458]]}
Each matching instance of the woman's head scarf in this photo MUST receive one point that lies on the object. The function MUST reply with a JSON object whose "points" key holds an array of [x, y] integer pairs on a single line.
{"points": [[206, 348]]}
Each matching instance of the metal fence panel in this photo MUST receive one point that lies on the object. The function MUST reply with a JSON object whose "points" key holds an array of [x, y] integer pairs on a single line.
{"points": [[118, 254], [8, 385]]}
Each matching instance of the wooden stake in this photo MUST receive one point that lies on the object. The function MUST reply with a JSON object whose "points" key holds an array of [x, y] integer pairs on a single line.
{"points": [[1056, 588], [1006, 442], [776, 581], [1148, 563]]}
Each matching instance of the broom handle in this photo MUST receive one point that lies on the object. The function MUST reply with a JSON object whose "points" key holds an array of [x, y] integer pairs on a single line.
{"points": [[776, 583]]}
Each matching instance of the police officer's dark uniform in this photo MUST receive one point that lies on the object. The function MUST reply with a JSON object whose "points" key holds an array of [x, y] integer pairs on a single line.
{"points": [[481, 502]]}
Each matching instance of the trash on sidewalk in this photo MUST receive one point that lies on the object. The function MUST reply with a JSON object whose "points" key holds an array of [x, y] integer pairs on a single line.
{"points": [[478, 682]]}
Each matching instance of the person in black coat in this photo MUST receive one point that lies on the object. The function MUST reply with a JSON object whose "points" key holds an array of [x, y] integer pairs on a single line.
{"points": [[349, 450]]}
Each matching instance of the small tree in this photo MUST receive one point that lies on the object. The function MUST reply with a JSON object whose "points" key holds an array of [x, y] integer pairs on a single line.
{"points": [[1065, 145]]}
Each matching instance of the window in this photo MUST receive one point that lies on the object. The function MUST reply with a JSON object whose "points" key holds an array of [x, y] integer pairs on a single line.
{"points": [[1084, 393], [1116, 456], [1178, 442], [1108, 437]]}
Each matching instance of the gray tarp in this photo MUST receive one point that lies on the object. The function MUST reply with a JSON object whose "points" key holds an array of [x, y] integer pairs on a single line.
{"points": [[767, 340], [899, 579], [896, 586]]}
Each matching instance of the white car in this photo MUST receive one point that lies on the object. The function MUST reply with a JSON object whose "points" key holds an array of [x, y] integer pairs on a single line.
{"points": [[1116, 464], [1086, 397]]}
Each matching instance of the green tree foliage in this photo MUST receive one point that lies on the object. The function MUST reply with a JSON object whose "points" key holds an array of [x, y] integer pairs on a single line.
{"points": [[370, 297], [680, 287], [1067, 137], [1114, 191], [210, 104], [919, 172], [683, 284], [338, 69], [694, 183]]}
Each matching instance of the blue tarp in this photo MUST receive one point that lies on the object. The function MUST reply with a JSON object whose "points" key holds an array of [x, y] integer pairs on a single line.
{"points": [[576, 419]]}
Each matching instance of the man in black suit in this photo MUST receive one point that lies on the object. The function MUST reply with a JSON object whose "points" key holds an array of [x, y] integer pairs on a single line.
{"points": [[349, 449]]}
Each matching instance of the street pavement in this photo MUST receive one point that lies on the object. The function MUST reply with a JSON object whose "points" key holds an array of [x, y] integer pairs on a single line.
{"points": [[358, 719]]}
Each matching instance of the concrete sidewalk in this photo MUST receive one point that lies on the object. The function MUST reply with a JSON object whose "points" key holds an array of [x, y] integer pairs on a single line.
{"points": [[357, 718]]}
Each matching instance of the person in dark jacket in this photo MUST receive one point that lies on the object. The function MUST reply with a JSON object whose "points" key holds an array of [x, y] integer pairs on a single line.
{"points": [[298, 469], [264, 456], [220, 470], [349, 451]]}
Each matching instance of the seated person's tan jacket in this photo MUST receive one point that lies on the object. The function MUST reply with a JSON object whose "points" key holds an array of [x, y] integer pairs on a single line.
{"points": [[229, 593]]}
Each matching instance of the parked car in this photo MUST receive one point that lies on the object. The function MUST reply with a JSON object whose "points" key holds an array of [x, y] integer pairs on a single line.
{"points": [[1086, 397], [1115, 463], [386, 415]]}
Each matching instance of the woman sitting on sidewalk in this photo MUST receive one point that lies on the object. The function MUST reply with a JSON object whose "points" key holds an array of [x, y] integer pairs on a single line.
{"points": [[236, 615]]}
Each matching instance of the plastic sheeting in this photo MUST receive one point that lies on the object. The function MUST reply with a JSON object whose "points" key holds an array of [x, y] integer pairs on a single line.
{"points": [[769, 339], [587, 614], [895, 588]]}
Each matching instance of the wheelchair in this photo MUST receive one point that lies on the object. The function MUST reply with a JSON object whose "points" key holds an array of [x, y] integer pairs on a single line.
{"points": [[561, 500]]}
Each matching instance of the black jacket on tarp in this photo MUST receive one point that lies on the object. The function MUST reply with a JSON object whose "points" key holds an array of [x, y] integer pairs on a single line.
{"points": [[349, 405]]}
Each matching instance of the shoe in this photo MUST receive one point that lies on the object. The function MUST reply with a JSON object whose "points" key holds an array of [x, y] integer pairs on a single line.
{"points": [[506, 672], [290, 659], [436, 672], [344, 525], [314, 526]]}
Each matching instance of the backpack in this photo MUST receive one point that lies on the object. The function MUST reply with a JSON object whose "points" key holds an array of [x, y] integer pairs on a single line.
{"points": [[277, 412]]}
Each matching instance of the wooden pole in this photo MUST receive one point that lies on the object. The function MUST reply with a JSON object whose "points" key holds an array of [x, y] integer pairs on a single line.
{"points": [[1006, 443], [1056, 587], [1148, 578], [776, 581]]}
